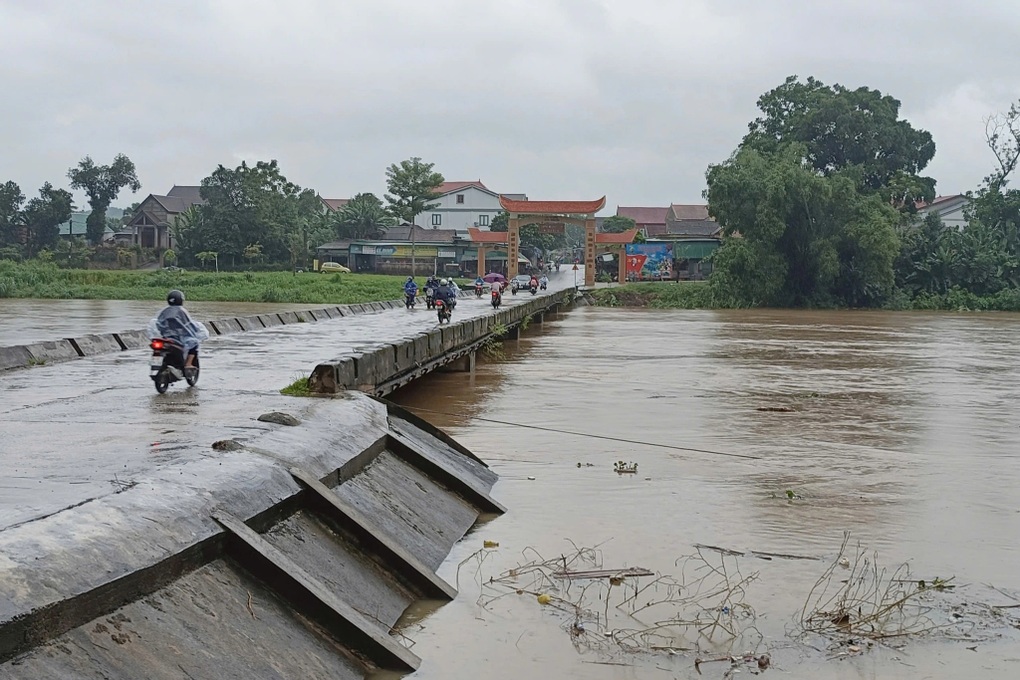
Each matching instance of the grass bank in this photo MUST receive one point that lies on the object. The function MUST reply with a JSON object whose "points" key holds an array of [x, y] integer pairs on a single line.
{"points": [[41, 280], [682, 295]]}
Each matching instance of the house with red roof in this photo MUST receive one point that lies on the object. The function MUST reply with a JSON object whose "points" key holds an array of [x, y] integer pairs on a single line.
{"points": [[651, 221], [462, 205]]}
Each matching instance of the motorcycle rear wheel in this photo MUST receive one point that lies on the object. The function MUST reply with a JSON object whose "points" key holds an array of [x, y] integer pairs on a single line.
{"points": [[162, 381]]}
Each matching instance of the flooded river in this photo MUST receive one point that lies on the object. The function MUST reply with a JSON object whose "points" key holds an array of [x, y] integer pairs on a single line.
{"points": [[899, 428], [24, 321]]}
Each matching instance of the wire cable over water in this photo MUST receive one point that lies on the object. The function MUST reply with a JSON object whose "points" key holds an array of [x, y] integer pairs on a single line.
{"points": [[589, 435]]}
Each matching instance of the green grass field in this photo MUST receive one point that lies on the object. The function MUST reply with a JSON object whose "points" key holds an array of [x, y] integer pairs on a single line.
{"points": [[38, 280]]}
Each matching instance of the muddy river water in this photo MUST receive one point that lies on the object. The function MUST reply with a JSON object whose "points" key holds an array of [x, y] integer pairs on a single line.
{"points": [[901, 429]]}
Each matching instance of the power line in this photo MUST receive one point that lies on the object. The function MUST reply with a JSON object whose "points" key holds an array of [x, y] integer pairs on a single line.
{"points": [[589, 435]]}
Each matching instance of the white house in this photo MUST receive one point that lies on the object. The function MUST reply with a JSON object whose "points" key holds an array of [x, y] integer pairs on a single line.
{"points": [[949, 209], [463, 205]]}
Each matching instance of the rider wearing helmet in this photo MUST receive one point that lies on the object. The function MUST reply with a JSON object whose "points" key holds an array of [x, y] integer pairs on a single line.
{"points": [[446, 293], [175, 323], [410, 287]]}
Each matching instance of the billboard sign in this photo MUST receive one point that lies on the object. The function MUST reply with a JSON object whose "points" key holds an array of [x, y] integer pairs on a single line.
{"points": [[649, 260]]}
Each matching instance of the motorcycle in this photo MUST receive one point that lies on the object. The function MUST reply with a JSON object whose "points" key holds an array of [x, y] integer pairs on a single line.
{"points": [[409, 300], [543, 285], [167, 364], [430, 298], [514, 287], [442, 311], [497, 299], [534, 289], [478, 290]]}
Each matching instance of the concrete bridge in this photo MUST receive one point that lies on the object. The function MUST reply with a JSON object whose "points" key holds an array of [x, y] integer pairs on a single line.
{"points": [[178, 535]]}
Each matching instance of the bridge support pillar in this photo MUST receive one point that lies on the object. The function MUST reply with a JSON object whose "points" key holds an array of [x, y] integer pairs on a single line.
{"points": [[465, 364]]}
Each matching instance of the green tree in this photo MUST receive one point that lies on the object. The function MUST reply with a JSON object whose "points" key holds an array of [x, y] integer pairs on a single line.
{"points": [[501, 222], [205, 256], [363, 217], [412, 188], [805, 239], [43, 216], [852, 132], [251, 204], [617, 224], [102, 183], [253, 252], [11, 200]]}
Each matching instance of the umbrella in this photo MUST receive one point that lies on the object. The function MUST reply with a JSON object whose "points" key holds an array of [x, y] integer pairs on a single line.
{"points": [[493, 277]]}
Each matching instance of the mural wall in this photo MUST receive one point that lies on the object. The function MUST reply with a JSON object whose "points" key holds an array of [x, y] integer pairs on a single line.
{"points": [[649, 261]]}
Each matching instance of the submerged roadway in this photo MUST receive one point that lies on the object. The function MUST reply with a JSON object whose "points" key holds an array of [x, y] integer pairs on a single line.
{"points": [[79, 430]]}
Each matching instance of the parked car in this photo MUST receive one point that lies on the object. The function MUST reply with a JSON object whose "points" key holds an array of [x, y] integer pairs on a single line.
{"points": [[523, 280], [333, 267]]}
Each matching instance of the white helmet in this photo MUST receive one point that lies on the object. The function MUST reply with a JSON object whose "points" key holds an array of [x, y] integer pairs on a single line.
{"points": [[444, 282]]}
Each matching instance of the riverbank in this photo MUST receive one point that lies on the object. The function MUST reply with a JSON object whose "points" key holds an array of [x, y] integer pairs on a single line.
{"points": [[664, 295], [699, 295], [46, 281]]}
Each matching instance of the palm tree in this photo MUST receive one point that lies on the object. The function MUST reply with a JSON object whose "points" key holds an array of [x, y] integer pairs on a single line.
{"points": [[363, 217]]}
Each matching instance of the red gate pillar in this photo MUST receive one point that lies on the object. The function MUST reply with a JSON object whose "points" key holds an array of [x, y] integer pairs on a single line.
{"points": [[513, 246], [621, 272], [589, 253], [481, 261]]}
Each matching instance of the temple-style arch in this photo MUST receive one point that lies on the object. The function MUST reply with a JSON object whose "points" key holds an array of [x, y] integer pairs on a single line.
{"points": [[553, 215], [550, 214]]}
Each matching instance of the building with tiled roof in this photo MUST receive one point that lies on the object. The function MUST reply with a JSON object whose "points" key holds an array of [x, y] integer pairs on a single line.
{"points": [[461, 205], [646, 219], [690, 221], [154, 217]]}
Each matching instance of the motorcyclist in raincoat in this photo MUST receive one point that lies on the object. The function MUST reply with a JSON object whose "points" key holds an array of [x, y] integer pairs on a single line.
{"points": [[176, 324]]}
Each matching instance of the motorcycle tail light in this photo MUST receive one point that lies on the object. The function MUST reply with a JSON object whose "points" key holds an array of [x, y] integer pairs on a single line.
{"points": [[156, 344]]}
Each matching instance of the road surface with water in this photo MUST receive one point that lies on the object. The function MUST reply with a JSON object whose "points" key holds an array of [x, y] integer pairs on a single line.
{"points": [[900, 428], [82, 429]]}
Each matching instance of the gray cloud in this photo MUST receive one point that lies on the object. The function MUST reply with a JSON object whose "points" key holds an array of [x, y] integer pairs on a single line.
{"points": [[558, 99]]}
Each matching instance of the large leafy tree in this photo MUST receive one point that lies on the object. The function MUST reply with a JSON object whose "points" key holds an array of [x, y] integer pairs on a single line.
{"points": [[43, 216], [102, 184], [805, 239], [11, 200], [857, 133], [411, 188], [808, 201], [247, 205], [363, 217]]}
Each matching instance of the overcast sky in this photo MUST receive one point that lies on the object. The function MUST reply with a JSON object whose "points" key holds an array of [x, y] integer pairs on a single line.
{"points": [[558, 99]]}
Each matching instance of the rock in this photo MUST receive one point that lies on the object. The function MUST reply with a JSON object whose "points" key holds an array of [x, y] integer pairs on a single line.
{"points": [[227, 445], [279, 418]]}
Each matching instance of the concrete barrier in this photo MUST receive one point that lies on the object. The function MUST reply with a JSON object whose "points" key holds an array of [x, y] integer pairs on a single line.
{"points": [[226, 326], [133, 339], [91, 345], [270, 320], [14, 357], [380, 370], [280, 559], [249, 323], [51, 351]]}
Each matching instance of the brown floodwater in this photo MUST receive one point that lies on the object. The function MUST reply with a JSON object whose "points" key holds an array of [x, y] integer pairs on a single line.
{"points": [[27, 320], [900, 428]]}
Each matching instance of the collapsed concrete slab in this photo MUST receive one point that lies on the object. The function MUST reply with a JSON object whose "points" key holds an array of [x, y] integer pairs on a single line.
{"points": [[291, 557]]}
